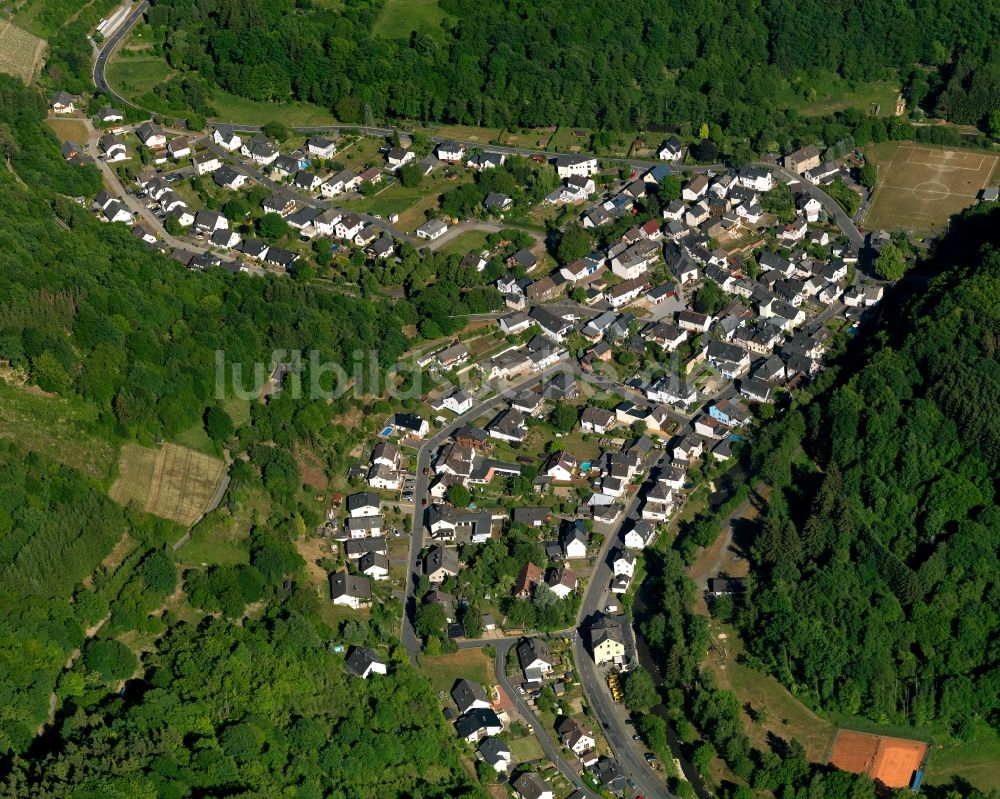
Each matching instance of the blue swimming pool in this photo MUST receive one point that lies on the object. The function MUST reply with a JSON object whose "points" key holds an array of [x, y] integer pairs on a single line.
{"points": [[386, 431]]}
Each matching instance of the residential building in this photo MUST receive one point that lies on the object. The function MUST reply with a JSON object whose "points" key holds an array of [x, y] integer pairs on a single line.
{"points": [[803, 159], [607, 640], [535, 659], [431, 230], [363, 662], [350, 590]]}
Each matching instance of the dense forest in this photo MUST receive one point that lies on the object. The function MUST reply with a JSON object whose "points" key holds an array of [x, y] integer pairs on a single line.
{"points": [[574, 62], [87, 311], [874, 571], [124, 674], [882, 564]]}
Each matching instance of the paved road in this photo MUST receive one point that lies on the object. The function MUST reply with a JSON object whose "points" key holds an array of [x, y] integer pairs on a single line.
{"points": [[835, 212], [420, 490], [833, 209], [548, 747], [630, 754], [107, 49]]}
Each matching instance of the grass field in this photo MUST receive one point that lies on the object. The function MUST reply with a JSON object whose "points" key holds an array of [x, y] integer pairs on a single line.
{"points": [[133, 76], [20, 52], [54, 427], [567, 140], [466, 242], [173, 482], [920, 187], [832, 93], [526, 749], [787, 717], [399, 18], [69, 129], [444, 670], [196, 438]]}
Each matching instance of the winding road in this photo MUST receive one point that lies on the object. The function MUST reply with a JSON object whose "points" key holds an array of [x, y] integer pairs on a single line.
{"points": [[108, 47], [612, 716]]}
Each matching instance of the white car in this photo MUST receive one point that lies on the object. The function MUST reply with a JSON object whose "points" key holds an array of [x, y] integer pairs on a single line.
{"points": [[611, 609]]}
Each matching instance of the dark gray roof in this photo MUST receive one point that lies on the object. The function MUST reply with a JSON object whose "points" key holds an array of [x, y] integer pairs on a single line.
{"points": [[359, 659]]}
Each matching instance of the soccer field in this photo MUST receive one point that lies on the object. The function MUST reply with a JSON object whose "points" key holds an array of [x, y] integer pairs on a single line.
{"points": [[920, 187]]}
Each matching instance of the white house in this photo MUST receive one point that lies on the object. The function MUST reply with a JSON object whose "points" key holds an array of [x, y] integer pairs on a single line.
{"points": [[206, 163], [349, 226], [642, 533], [755, 178], [321, 147], [113, 148], [374, 566], [495, 752], [576, 165], [530, 786], [62, 103], [624, 563], [811, 208], [695, 188], [457, 402], [362, 662], [450, 151], [350, 590], [151, 135], [574, 540], [179, 147], [671, 151], [116, 211], [363, 504], [226, 137], [431, 230]]}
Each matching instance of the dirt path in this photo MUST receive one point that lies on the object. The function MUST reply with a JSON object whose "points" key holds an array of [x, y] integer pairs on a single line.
{"points": [[725, 556], [89, 633]]}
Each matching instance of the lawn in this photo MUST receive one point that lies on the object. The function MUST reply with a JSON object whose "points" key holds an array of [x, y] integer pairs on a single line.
{"points": [[238, 410], [363, 150], [526, 749], [445, 670], [399, 18], [567, 140], [56, 428], [469, 241], [975, 760], [134, 76], [239, 110], [74, 130], [216, 545], [196, 438], [469, 133]]}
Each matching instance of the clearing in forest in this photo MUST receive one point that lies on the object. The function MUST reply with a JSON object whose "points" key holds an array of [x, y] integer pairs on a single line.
{"points": [[172, 482], [920, 187], [891, 761], [20, 52]]}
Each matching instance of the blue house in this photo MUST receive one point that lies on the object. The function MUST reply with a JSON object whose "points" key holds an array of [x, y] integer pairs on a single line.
{"points": [[729, 413]]}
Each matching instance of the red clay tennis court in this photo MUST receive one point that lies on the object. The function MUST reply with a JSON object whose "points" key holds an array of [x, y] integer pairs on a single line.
{"points": [[891, 761]]}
